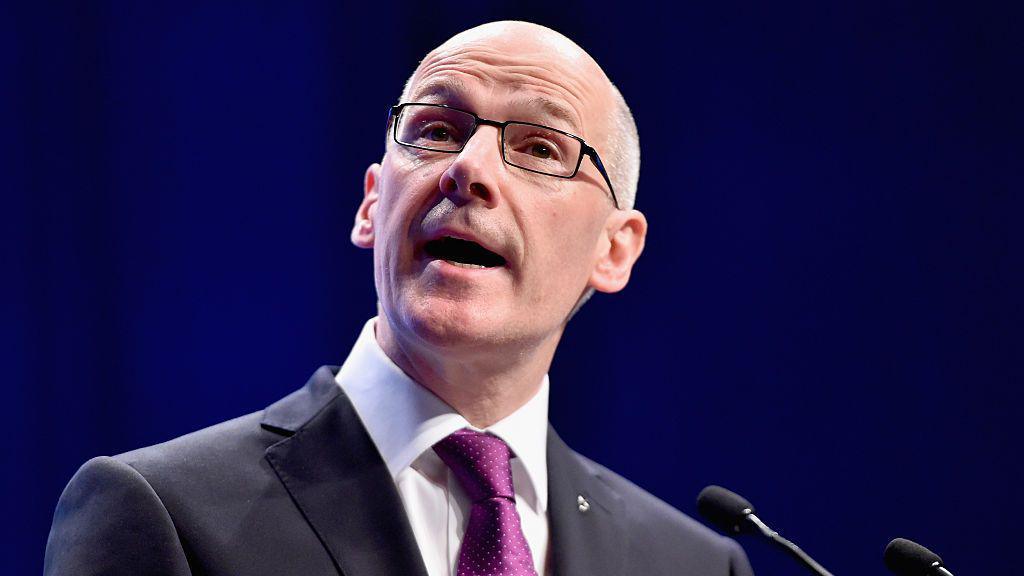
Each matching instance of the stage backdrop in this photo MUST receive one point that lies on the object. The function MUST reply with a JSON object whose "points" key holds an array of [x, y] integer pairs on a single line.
{"points": [[826, 318]]}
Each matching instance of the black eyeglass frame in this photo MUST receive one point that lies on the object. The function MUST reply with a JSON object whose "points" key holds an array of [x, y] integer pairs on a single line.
{"points": [[585, 149]]}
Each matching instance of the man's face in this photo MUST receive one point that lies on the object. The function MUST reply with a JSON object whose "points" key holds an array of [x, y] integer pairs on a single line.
{"points": [[547, 232]]}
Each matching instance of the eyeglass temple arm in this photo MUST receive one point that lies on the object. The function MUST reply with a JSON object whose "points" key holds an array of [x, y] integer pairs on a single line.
{"points": [[589, 151], [392, 112]]}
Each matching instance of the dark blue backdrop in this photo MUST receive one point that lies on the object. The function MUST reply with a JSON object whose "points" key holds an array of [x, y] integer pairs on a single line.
{"points": [[827, 317]]}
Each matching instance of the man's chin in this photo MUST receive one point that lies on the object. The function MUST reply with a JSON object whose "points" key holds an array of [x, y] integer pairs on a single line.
{"points": [[452, 325]]}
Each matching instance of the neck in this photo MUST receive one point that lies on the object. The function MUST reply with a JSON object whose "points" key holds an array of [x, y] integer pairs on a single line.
{"points": [[484, 386]]}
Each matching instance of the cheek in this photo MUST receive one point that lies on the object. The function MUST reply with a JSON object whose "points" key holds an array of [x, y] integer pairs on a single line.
{"points": [[410, 172], [567, 254], [407, 181], [404, 183], [390, 223]]}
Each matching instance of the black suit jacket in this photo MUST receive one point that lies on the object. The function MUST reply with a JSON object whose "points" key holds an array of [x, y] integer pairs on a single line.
{"points": [[299, 488]]}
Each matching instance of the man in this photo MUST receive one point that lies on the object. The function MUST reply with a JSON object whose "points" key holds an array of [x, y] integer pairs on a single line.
{"points": [[491, 218]]}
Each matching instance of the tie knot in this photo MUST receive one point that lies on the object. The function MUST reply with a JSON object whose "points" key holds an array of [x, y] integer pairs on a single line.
{"points": [[480, 462]]}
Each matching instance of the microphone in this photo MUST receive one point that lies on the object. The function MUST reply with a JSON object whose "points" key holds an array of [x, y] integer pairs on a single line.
{"points": [[907, 558], [733, 513]]}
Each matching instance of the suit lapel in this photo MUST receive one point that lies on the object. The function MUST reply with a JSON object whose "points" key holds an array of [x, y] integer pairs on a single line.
{"points": [[332, 469], [583, 543]]}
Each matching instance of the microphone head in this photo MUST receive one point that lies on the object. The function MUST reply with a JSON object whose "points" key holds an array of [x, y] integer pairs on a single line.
{"points": [[907, 558], [725, 509]]}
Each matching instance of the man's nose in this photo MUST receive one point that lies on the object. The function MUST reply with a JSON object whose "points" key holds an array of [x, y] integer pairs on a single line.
{"points": [[475, 172]]}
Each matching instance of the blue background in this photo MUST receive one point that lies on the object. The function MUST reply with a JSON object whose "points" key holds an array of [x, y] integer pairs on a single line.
{"points": [[826, 318]]}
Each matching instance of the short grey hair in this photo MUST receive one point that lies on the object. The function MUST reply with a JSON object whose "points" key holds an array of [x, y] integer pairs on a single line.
{"points": [[622, 161], [622, 157]]}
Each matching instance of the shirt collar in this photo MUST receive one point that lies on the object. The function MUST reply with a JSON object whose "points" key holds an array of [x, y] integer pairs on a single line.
{"points": [[405, 419]]}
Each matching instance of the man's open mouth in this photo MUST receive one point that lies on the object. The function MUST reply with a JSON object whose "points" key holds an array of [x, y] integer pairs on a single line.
{"points": [[462, 252]]}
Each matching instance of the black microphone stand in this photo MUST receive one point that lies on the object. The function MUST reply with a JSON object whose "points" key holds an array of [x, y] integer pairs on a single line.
{"points": [[787, 545]]}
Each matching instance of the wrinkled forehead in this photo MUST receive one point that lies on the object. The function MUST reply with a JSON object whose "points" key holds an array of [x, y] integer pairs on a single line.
{"points": [[518, 75]]}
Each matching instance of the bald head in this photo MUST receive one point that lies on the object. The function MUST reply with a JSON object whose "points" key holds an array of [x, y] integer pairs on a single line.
{"points": [[521, 33], [613, 134], [489, 229]]}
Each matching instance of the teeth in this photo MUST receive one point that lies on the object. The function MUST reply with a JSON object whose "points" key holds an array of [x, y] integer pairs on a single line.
{"points": [[464, 264]]}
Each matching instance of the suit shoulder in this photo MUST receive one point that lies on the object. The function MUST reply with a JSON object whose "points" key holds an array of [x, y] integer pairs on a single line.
{"points": [[647, 504], [663, 525], [229, 433], [109, 520], [229, 448]]}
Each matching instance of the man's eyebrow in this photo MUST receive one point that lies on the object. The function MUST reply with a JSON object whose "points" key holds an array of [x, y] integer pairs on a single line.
{"points": [[553, 109], [445, 88]]}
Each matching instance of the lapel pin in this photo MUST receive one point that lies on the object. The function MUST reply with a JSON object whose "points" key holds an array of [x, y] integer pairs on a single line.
{"points": [[583, 504]]}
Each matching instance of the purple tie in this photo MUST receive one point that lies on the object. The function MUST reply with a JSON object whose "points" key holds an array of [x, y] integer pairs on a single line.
{"points": [[494, 542]]}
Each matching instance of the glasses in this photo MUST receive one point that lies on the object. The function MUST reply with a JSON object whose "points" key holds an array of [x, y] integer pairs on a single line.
{"points": [[532, 147]]}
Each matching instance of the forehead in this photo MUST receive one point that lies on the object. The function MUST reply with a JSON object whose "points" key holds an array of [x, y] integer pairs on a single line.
{"points": [[453, 90], [547, 81]]}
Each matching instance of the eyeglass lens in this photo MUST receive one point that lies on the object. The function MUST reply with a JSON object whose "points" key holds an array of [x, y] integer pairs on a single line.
{"points": [[531, 147]]}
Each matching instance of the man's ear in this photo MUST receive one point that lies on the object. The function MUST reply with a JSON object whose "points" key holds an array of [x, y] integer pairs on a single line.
{"points": [[362, 229], [618, 249]]}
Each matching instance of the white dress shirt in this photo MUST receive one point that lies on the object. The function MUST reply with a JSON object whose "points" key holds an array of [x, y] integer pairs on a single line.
{"points": [[405, 420]]}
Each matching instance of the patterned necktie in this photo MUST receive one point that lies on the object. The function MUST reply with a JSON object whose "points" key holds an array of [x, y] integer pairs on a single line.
{"points": [[494, 543]]}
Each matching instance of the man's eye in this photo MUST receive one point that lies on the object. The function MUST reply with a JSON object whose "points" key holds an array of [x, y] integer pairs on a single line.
{"points": [[540, 151], [437, 133]]}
